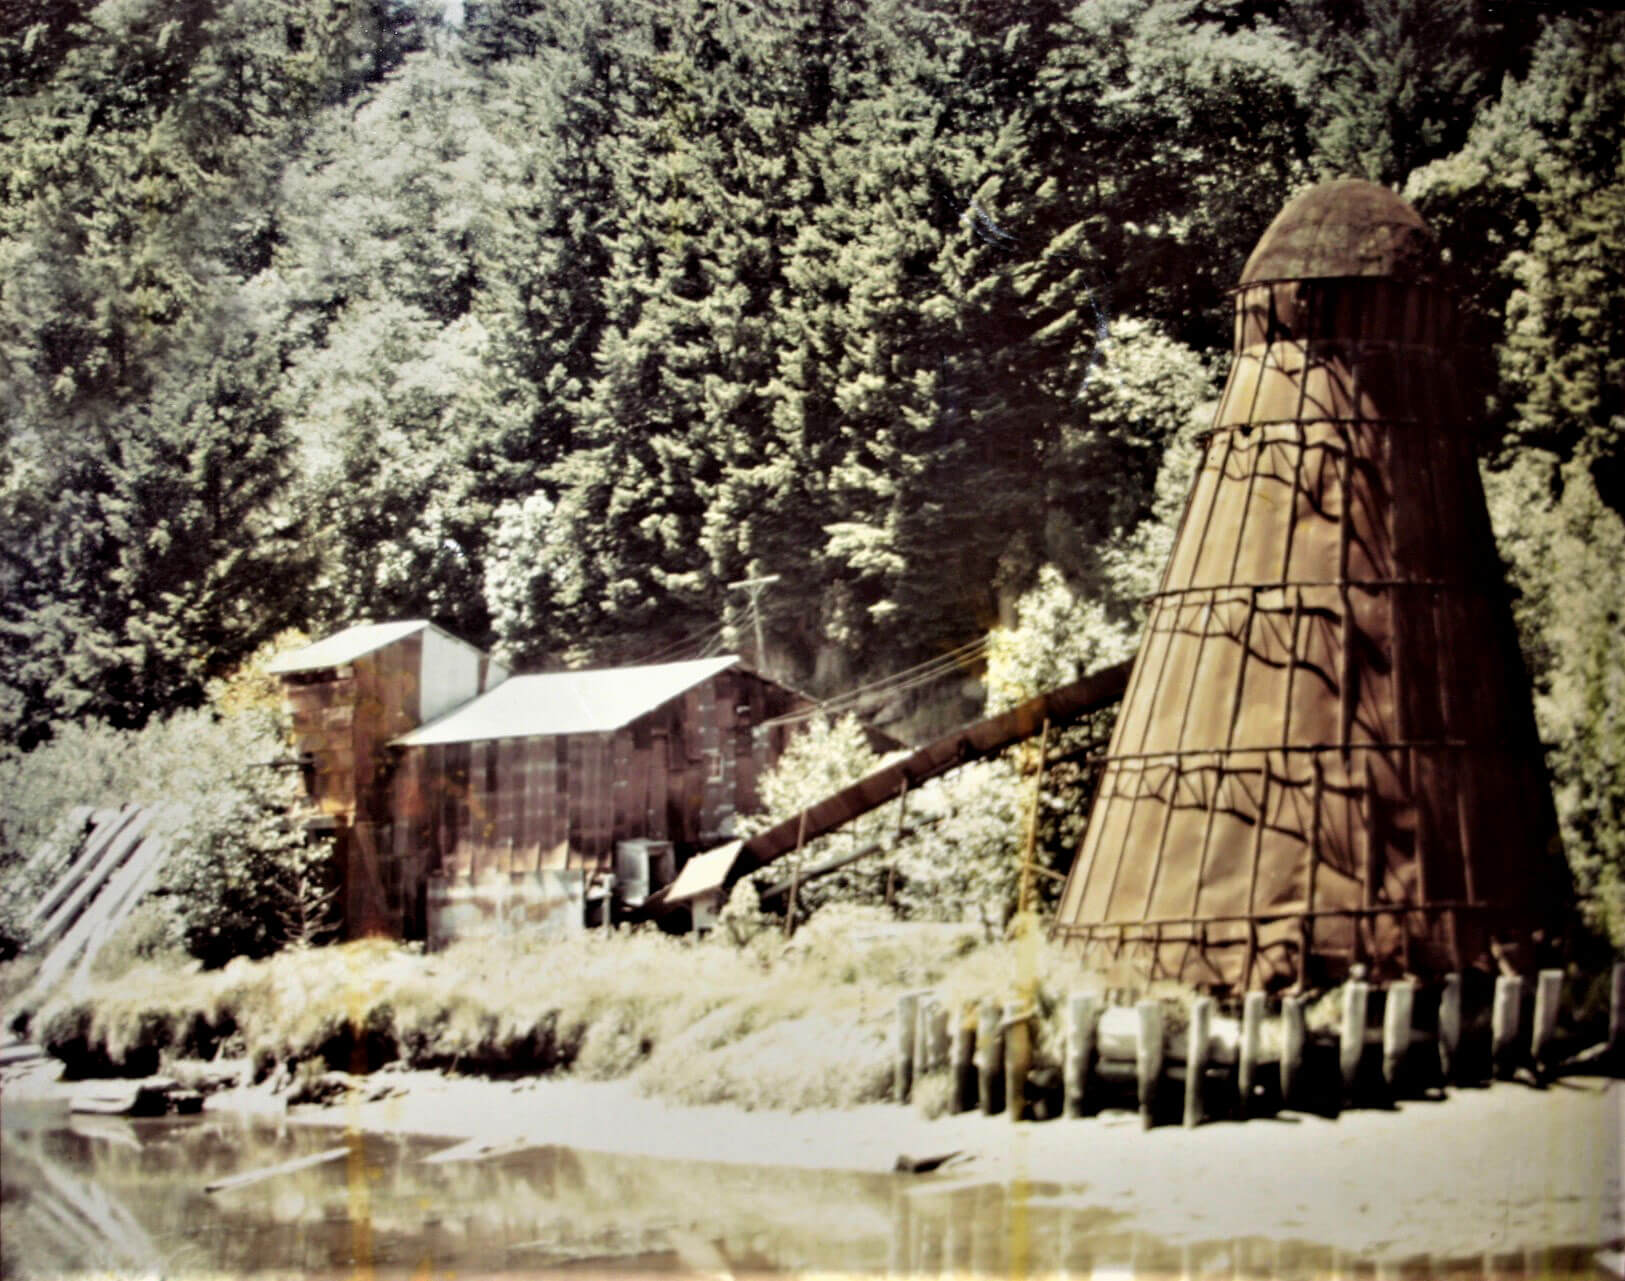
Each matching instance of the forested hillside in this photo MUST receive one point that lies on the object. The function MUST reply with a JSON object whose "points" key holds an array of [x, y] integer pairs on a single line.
{"points": [[547, 319]]}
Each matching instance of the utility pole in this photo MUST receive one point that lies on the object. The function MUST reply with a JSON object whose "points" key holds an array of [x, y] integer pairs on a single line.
{"points": [[754, 587], [1029, 852]]}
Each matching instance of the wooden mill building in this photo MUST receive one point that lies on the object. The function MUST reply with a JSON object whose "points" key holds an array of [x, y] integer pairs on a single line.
{"points": [[467, 800]]}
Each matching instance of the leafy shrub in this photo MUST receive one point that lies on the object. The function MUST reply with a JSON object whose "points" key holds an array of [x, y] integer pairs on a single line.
{"points": [[742, 920], [826, 756], [239, 878], [150, 933]]}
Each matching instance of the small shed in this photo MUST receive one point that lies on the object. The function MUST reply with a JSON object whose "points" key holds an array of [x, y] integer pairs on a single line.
{"points": [[347, 696]]}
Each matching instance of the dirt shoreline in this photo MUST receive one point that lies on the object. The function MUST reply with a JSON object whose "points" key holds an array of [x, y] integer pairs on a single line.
{"points": [[1485, 1172]]}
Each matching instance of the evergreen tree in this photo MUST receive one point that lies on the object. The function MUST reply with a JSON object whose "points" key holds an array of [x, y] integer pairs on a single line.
{"points": [[1402, 80], [1564, 359], [408, 421], [141, 470]]}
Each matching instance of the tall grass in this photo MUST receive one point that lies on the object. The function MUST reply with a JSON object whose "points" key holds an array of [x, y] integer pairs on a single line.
{"points": [[798, 1024]]}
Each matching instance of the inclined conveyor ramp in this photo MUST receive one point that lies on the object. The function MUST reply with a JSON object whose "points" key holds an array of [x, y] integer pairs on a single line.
{"points": [[720, 868]]}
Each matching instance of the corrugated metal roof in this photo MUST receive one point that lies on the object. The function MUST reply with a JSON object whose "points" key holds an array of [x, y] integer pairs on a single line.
{"points": [[345, 647], [590, 702]]}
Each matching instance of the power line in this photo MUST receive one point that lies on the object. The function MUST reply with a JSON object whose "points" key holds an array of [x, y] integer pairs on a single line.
{"points": [[700, 640], [853, 704], [932, 669]]}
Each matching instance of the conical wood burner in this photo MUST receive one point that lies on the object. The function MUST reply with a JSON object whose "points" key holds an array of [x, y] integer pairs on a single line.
{"points": [[1327, 751]]}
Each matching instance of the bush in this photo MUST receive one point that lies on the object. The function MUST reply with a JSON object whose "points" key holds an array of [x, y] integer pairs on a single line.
{"points": [[239, 878], [149, 934], [964, 858], [825, 757]]}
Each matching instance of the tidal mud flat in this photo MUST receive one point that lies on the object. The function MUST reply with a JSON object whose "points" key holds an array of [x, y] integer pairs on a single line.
{"points": [[477, 1174], [773, 1061], [1498, 1169]]}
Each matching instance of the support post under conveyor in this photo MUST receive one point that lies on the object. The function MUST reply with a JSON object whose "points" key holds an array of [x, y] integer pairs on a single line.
{"points": [[977, 741]]}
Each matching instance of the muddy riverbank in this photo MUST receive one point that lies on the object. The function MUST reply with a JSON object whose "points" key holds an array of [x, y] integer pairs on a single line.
{"points": [[1498, 1174], [1485, 1171]]}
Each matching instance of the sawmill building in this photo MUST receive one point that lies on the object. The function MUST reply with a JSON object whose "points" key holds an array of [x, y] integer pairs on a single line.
{"points": [[465, 800]]}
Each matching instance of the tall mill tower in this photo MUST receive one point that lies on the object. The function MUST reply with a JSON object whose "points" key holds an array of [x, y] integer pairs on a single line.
{"points": [[1327, 751]]}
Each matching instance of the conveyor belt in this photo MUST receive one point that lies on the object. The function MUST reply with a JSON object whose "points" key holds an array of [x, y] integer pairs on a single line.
{"points": [[974, 742]]}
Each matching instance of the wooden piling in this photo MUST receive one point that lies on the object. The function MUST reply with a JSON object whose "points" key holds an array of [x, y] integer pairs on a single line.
{"points": [[1616, 1018], [1548, 996], [1397, 1014], [989, 1058], [1252, 1035], [1196, 1047], [1506, 1025], [1018, 1057], [908, 1013], [965, 1061], [1450, 1029], [1081, 1012], [1294, 1037], [1148, 1057], [940, 1037], [1351, 1046], [922, 1036]]}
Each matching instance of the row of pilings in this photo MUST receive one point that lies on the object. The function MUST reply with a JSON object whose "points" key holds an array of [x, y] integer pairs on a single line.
{"points": [[1365, 1045]]}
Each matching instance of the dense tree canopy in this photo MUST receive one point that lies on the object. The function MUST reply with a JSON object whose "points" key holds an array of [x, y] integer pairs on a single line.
{"points": [[550, 320]]}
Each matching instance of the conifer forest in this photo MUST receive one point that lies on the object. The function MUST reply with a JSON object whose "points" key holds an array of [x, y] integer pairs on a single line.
{"points": [[549, 319]]}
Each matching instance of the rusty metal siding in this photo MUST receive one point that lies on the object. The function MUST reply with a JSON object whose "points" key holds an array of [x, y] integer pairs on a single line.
{"points": [[321, 708], [343, 718], [444, 817], [661, 826], [1327, 751], [581, 802], [603, 802]]}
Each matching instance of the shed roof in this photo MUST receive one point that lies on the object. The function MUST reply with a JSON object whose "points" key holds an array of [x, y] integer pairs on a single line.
{"points": [[588, 702], [703, 874], [346, 646]]}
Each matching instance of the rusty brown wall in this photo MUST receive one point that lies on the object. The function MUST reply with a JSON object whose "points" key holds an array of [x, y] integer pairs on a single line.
{"points": [[343, 718], [1329, 719]]}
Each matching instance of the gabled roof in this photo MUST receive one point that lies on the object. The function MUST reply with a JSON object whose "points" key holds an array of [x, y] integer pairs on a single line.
{"points": [[346, 646], [589, 702]]}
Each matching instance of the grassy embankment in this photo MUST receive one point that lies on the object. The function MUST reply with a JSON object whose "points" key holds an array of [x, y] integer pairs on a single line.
{"points": [[804, 1024], [809, 1023]]}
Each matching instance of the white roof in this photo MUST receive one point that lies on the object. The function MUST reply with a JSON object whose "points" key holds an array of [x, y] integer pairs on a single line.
{"points": [[345, 647], [590, 702]]}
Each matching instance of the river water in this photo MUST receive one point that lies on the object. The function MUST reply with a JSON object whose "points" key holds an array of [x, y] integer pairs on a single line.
{"points": [[102, 1193]]}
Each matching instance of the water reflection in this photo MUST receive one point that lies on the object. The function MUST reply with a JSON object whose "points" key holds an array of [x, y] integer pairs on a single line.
{"points": [[110, 1194]]}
